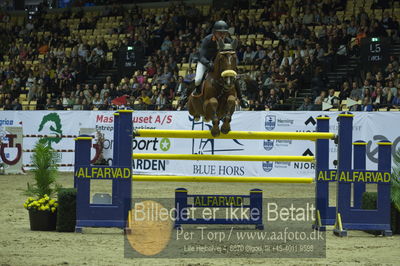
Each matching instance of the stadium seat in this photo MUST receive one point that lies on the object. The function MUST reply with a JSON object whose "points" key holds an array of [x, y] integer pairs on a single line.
{"points": [[185, 66], [182, 73], [68, 51], [22, 97], [267, 43]]}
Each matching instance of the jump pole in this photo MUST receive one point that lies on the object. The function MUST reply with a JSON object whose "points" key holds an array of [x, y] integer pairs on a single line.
{"points": [[221, 179], [205, 134], [217, 157]]}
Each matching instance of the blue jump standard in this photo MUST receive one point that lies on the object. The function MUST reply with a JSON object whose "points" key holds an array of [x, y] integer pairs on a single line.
{"points": [[105, 215], [351, 173], [214, 203], [355, 218]]}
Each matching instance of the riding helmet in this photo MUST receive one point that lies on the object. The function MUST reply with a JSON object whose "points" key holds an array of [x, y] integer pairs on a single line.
{"points": [[220, 26]]}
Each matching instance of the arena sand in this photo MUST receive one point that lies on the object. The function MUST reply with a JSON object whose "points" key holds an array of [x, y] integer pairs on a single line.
{"points": [[20, 246]]}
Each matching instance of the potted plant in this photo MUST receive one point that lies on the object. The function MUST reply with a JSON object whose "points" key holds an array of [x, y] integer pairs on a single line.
{"points": [[42, 213], [41, 206]]}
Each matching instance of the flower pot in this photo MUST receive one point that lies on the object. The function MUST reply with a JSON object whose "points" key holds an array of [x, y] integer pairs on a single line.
{"points": [[42, 220]]}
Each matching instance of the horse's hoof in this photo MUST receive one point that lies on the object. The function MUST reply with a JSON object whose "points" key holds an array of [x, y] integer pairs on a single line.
{"points": [[197, 118], [215, 131], [225, 129]]}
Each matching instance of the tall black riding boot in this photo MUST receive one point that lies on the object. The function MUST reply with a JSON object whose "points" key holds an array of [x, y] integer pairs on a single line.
{"points": [[197, 90]]}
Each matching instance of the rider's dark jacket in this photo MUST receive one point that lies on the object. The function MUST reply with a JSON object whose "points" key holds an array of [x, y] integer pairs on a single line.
{"points": [[209, 49]]}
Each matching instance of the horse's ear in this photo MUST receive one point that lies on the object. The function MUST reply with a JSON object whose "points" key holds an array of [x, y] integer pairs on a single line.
{"points": [[220, 44], [234, 44]]}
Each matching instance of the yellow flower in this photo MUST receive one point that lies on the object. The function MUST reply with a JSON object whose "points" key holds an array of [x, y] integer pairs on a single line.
{"points": [[41, 201], [53, 209], [52, 202], [42, 208], [56, 204], [25, 205], [46, 198]]}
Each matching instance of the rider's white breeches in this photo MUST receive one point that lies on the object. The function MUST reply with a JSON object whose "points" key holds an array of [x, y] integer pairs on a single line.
{"points": [[200, 69]]}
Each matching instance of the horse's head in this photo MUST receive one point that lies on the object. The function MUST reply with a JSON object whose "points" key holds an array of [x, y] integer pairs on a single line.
{"points": [[225, 62]]}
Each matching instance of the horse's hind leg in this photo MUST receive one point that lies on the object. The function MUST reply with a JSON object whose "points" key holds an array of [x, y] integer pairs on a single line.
{"points": [[230, 108], [210, 109]]}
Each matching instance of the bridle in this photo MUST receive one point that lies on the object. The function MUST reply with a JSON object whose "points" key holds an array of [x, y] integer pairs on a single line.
{"points": [[227, 77]]}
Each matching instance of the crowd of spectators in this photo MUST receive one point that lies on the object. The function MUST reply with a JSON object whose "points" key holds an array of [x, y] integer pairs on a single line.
{"points": [[379, 91], [303, 45]]}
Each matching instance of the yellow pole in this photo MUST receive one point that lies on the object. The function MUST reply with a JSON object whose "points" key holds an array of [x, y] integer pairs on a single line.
{"points": [[204, 134], [208, 157], [222, 179]]}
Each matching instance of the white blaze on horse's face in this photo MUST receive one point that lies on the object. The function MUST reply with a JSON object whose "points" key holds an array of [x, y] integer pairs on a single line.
{"points": [[229, 59], [227, 81], [229, 74]]}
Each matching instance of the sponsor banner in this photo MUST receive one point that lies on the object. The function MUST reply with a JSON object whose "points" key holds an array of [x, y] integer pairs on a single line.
{"points": [[8, 119], [368, 126], [182, 121]]}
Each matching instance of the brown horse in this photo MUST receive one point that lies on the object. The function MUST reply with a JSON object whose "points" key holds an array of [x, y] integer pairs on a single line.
{"points": [[218, 97]]}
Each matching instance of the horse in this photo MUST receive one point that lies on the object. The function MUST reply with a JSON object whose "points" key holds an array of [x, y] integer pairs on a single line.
{"points": [[218, 91]]}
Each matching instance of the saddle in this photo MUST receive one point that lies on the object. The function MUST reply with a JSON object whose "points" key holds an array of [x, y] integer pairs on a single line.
{"points": [[201, 85]]}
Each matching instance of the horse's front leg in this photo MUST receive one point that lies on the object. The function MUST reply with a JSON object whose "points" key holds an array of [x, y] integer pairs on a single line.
{"points": [[210, 109], [194, 107], [230, 108]]}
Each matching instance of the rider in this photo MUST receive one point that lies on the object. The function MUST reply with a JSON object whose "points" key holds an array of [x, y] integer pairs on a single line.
{"points": [[208, 52]]}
